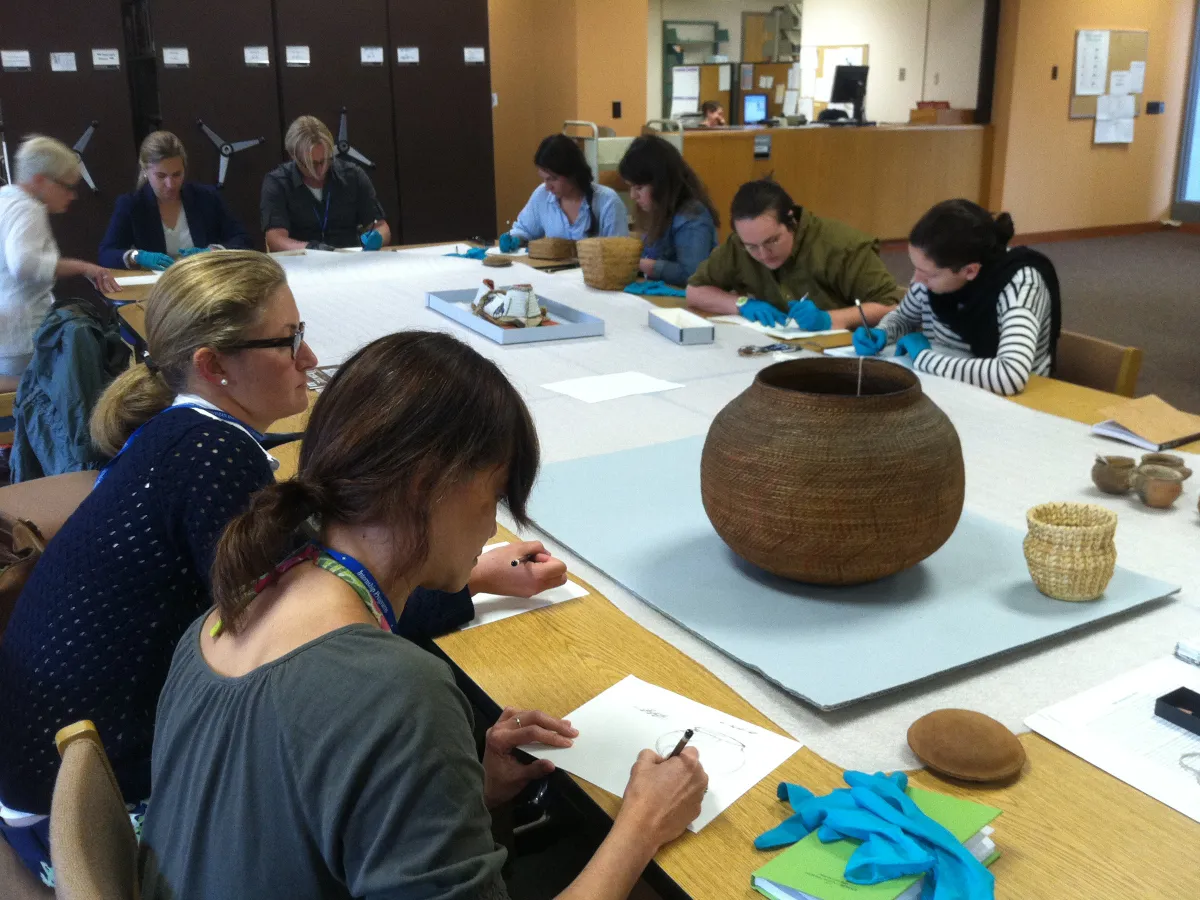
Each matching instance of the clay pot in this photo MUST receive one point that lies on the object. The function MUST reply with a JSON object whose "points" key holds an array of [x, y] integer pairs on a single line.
{"points": [[1158, 486], [1069, 549], [1170, 460], [1112, 474], [805, 478]]}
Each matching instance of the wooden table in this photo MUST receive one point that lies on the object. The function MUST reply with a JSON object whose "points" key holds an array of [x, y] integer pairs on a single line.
{"points": [[1068, 829]]}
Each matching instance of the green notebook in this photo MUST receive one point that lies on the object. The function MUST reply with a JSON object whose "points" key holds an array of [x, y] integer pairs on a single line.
{"points": [[813, 869]]}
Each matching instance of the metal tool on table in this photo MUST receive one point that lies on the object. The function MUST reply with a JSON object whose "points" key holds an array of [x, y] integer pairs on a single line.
{"points": [[752, 350], [226, 149], [343, 143]]}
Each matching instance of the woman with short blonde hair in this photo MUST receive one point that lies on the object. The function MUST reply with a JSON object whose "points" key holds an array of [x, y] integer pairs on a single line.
{"points": [[167, 217], [317, 201]]}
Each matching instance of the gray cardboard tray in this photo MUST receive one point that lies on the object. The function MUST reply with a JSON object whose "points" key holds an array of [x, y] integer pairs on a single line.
{"points": [[572, 323]]}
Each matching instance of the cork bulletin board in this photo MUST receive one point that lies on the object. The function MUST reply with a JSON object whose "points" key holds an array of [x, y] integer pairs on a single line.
{"points": [[1124, 47]]}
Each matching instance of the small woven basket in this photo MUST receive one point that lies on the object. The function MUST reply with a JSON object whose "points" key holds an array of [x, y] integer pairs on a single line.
{"points": [[551, 248], [610, 263], [1069, 549]]}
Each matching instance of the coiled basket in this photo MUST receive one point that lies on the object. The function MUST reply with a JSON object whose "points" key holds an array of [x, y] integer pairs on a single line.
{"points": [[1069, 549]]}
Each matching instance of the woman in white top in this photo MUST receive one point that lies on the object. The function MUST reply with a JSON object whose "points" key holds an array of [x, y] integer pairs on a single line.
{"points": [[976, 311], [46, 175], [167, 217]]}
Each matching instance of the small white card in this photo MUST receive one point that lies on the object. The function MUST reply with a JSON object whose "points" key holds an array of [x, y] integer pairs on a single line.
{"points": [[370, 56], [106, 58], [474, 55], [176, 57], [135, 280], [257, 56], [408, 56], [297, 55], [63, 62], [632, 715], [15, 60], [494, 607], [597, 388]]}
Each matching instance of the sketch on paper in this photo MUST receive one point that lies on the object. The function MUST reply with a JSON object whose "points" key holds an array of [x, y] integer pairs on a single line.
{"points": [[720, 754]]}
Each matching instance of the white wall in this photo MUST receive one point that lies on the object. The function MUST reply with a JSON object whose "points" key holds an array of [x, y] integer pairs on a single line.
{"points": [[893, 29]]}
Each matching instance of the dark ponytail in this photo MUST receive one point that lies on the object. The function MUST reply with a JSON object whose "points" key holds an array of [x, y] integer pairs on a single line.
{"points": [[956, 233], [562, 155]]}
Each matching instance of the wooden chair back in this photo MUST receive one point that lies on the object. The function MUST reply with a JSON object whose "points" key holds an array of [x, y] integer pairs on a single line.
{"points": [[92, 844], [1095, 363], [7, 399]]}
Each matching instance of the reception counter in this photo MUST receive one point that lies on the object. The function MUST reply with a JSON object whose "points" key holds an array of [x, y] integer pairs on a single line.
{"points": [[879, 179]]}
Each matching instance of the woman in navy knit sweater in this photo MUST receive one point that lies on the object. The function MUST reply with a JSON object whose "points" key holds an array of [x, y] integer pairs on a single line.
{"points": [[93, 632]]}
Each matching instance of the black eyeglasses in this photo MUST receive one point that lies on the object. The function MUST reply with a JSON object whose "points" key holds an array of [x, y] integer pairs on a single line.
{"points": [[294, 341]]}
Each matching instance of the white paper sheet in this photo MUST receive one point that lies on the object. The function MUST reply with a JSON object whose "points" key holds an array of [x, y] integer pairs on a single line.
{"points": [[256, 55], [1116, 106], [793, 78], [766, 82], [1137, 77], [1113, 726], [106, 58], [791, 103], [1091, 63], [494, 607], [1119, 82], [496, 251], [809, 58], [297, 55], [724, 77], [747, 76], [1113, 131], [685, 81], [598, 388], [804, 107], [63, 62], [133, 280], [17, 60], [176, 56], [783, 332], [615, 726]]}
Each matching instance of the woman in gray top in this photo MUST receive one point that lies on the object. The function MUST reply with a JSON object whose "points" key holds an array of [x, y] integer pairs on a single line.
{"points": [[302, 750]]}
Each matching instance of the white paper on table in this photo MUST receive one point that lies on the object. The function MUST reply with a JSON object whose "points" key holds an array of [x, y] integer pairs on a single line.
{"points": [[724, 77], [616, 725], [783, 332], [1137, 77], [766, 82], [134, 280], [496, 251], [1091, 63], [494, 607], [1119, 82], [597, 388], [1113, 726], [887, 354]]}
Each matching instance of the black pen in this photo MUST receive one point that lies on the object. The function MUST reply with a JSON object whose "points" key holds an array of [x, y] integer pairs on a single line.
{"points": [[683, 741], [528, 557]]}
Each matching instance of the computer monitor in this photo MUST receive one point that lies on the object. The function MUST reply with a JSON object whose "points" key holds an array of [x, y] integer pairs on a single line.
{"points": [[754, 108], [850, 86]]}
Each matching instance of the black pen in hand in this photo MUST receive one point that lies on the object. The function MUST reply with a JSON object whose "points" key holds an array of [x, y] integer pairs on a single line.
{"points": [[683, 742]]}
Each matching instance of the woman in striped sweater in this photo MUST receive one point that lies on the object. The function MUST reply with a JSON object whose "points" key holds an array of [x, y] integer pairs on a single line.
{"points": [[976, 311]]}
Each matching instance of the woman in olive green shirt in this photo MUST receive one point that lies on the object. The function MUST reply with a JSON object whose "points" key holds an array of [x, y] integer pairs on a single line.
{"points": [[782, 262]]}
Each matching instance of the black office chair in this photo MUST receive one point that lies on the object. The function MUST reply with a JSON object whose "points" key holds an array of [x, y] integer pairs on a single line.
{"points": [[832, 115]]}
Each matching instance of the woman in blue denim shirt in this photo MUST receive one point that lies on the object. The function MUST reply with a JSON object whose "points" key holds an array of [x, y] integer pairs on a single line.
{"points": [[673, 210]]}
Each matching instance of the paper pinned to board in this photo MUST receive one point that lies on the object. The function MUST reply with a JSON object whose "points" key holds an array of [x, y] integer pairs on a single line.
{"points": [[1137, 77], [809, 58], [685, 81], [780, 94], [494, 607], [598, 388], [766, 82], [633, 715], [724, 77], [135, 280], [1119, 82], [1091, 63]]}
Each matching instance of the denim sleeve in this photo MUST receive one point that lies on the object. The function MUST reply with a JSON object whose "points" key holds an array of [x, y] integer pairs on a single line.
{"points": [[614, 221], [528, 226], [694, 241], [429, 613]]}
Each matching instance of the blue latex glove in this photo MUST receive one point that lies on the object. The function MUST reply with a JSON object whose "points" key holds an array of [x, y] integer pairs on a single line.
{"points": [[762, 312], [868, 341], [808, 316], [192, 251], [654, 289], [148, 259], [471, 253], [509, 243], [371, 240], [912, 344]]}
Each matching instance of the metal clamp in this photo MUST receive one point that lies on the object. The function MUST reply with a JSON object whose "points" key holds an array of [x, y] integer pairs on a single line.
{"points": [[226, 149], [81, 145], [343, 143]]}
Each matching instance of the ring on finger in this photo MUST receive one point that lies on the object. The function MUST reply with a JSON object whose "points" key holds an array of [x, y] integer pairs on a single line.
{"points": [[518, 719]]}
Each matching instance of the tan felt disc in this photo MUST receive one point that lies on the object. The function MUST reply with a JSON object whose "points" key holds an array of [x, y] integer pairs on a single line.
{"points": [[967, 745]]}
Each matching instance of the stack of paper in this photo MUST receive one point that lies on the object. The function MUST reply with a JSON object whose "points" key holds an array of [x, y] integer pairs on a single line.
{"points": [[812, 870], [1148, 422]]}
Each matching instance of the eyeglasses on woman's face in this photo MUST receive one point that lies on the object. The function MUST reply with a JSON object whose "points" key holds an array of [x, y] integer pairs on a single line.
{"points": [[294, 341]]}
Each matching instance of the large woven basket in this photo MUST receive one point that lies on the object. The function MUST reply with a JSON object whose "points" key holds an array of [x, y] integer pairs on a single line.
{"points": [[1069, 549], [551, 248], [609, 263]]}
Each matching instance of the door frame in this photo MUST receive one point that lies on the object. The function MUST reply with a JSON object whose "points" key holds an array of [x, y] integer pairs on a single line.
{"points": [[1181, 209]]}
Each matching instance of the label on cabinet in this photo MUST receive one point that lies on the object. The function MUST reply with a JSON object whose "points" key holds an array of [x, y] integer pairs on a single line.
{"points": [[106, 58], [474, 55], [297, 55], [370, 56], [257, 56], [15, 60], [63, 62], [762, 146], [176, 57], [408, 56]]}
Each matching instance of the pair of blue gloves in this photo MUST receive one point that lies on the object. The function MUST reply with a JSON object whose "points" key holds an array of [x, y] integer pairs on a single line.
{"points": [[895, 837], [509, 243], [806, 314], [651, 288], [871, 341], [159, 261], [471, 253], [371, 240]]}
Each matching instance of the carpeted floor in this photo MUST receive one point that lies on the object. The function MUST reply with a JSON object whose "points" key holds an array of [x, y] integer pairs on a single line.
{"points": [[1141, 290]]}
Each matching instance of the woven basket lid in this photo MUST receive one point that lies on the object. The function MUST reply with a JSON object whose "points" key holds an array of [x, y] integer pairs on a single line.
{"points": [[967, 745]]}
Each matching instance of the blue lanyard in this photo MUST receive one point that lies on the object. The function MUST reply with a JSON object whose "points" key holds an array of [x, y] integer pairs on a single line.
{"points": [[325, 220], [217, 413], [364, 578]]}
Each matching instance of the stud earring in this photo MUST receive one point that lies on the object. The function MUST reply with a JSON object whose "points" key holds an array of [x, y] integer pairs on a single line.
{"points": [[224, 381]]}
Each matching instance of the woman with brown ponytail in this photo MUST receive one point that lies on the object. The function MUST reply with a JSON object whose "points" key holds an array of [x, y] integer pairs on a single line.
{"points": [[292, 714]]}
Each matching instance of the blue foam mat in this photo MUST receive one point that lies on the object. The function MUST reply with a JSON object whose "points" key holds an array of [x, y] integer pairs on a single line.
{"points": [[637, 516]]}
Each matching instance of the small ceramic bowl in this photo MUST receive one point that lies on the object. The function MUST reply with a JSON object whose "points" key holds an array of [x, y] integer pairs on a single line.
{"points": [[1170, 460], [1112, 474], [1158, 486]]}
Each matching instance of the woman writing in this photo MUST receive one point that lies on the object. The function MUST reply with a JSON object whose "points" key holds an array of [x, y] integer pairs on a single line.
{"points": [[291, 710], [167, 217], [674, 211], [93, 631], [567, 204], [782, 262], [976, 311]]}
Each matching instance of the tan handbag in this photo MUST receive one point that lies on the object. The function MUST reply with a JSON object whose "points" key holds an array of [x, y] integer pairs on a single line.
{"points": [[21, 546]]}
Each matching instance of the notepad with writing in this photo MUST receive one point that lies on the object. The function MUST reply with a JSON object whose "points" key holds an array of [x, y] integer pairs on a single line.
{"points": [[812, 870], [1148, 422]]}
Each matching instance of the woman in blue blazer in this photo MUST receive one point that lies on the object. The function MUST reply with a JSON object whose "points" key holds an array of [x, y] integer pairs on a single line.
{"points": [[166, 217]]}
